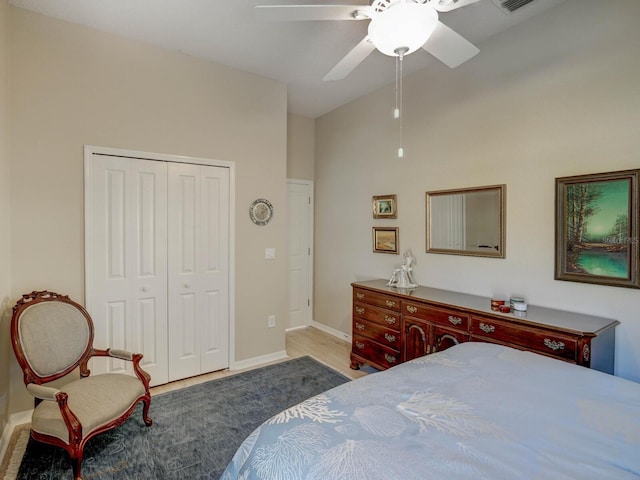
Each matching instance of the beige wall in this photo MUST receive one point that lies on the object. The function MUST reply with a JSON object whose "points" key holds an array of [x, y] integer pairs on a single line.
{"points": [[300, 147], [72, 86], [4, 217], [511, 115]]}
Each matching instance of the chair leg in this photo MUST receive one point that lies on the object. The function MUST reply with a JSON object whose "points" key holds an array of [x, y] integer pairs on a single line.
{"points": [[76, 465], [145, 411]]}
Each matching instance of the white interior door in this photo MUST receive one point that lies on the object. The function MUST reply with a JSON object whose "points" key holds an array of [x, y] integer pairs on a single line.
{"points": [[128, 261], [198, 278], [300, 205]]}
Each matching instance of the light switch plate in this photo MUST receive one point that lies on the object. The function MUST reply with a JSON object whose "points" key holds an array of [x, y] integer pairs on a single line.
{"points": [[269, 253]]}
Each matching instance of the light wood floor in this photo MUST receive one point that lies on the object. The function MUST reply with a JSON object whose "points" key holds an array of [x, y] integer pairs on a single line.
{"points": [[325, 348], [332, 351]]}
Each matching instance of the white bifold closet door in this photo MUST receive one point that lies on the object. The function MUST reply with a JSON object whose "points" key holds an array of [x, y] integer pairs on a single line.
{"points": [[198, 269], [159, 264], [129, 262]]}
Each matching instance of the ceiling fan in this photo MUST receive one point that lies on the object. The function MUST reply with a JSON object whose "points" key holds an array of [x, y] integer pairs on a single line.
{"points": [[396, 28]]}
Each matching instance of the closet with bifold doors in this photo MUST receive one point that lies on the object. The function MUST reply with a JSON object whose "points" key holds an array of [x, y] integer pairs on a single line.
{"points": [[157, 238]]}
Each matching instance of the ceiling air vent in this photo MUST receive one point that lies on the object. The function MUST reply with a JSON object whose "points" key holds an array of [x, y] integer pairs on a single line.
{"points": [[510, 6]]}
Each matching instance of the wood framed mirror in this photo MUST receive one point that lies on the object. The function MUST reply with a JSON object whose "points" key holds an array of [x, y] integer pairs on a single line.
{"points": [[468, 221]]}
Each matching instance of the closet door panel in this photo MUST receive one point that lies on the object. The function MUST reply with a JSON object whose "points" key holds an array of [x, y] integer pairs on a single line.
{"points": [[188, 211], [148, 332], [213, 338], [111, 220], [129, 261], [116, 198], [116, 315], [198, 268], [214, 258], [183, 216], [149, 327], [187, 335]]}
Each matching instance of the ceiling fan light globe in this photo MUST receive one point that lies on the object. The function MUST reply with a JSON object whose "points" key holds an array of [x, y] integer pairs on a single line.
{"points": [[403, 25]]}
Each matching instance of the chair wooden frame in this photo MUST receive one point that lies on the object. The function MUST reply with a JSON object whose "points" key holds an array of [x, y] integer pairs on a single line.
{"points": [[77, 440]]}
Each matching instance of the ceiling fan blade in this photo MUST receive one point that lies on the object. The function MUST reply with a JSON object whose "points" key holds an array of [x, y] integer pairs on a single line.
{"points": [[449, 47], [448, 5], [350, 61], [287, 13]]}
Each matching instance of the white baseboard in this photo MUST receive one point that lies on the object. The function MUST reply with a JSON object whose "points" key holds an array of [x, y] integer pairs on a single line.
{"points": [[291, 329], [15, 420], [256, 361], [331, 331]]}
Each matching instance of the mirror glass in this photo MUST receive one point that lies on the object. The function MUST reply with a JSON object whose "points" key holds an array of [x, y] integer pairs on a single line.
{"points": [[469, 221]]}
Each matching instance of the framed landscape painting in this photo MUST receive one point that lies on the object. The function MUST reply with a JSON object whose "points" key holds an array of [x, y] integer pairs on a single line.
{"points": [[385, 239], [597, 229], [384, 206]]}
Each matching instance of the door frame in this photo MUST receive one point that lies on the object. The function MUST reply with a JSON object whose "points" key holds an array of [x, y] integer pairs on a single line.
{"points": [[311, 256], [90, 151]]}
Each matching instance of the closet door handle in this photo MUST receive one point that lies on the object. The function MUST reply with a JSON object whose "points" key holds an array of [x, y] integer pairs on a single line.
{"points": [[187, 285], [144, 288]]}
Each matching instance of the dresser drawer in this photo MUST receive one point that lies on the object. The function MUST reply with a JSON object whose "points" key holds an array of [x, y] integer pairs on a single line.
{"points": [[374, 331], [377, 315], [377, 299], [447, 318], [374, 352], [531, 338]]}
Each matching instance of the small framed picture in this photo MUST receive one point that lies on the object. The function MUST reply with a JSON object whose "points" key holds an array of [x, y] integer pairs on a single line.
{"points": [[597, 229], [385, 240], [384, 206]]}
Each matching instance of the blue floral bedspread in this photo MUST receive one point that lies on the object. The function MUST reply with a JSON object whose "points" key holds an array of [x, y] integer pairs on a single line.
{"points": [[475, 411]]}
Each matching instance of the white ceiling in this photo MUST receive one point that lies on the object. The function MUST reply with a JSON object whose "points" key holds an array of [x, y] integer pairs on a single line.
{"points": [[296, 53]]}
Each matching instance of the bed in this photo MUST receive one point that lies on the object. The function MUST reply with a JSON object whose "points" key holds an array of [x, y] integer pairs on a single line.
{"points": [[474, 411]]}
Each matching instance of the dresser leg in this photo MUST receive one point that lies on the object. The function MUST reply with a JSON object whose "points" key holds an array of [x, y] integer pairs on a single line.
{"points": [[354, 365]]}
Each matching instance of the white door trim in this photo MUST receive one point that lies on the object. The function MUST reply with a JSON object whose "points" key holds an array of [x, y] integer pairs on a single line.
{"points": [[90, 151], [308, 183]]}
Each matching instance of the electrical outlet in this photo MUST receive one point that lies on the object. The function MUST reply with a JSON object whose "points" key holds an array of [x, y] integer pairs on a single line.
{"points": [[271, 321]]}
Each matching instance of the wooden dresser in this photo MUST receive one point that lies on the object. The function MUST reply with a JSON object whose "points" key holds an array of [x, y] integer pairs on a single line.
{"points": [[391, 326]]}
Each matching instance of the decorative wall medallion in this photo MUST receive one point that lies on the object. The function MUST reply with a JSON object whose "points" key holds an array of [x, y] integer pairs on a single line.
{"points": [[261, 211]]}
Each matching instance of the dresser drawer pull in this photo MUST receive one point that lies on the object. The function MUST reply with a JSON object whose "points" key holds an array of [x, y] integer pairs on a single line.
{"points": [[553, 345], [455, 320], [390, 358], [412, 309], [359, 296], [390, 320], [487, 328], [359, 310], [390, 338], [390, 303], [359, 326], [359, 345]]}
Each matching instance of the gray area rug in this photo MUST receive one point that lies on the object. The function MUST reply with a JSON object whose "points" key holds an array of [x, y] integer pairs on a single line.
{"points": [[195, 430]]}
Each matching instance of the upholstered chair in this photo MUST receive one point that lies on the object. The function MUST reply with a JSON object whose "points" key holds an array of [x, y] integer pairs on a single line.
{"points": [[52, 338]]}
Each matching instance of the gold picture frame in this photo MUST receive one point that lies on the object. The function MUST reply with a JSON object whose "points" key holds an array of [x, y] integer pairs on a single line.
{"points": [[386, 240], [597, 229], [385, 206]]}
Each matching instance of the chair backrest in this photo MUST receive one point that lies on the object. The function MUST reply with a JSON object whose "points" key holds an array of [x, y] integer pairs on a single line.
{"points": [[51, 336]]}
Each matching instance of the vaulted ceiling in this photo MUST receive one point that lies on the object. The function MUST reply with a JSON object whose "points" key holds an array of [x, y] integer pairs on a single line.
{"points": [[296, 53]]}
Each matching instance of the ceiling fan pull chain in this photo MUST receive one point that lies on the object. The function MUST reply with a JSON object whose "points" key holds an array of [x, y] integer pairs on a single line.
{"points": [[396, 111], [399, 106]]}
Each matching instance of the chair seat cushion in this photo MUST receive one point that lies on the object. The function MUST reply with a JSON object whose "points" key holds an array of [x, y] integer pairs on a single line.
{"points": [[96, 401]]}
